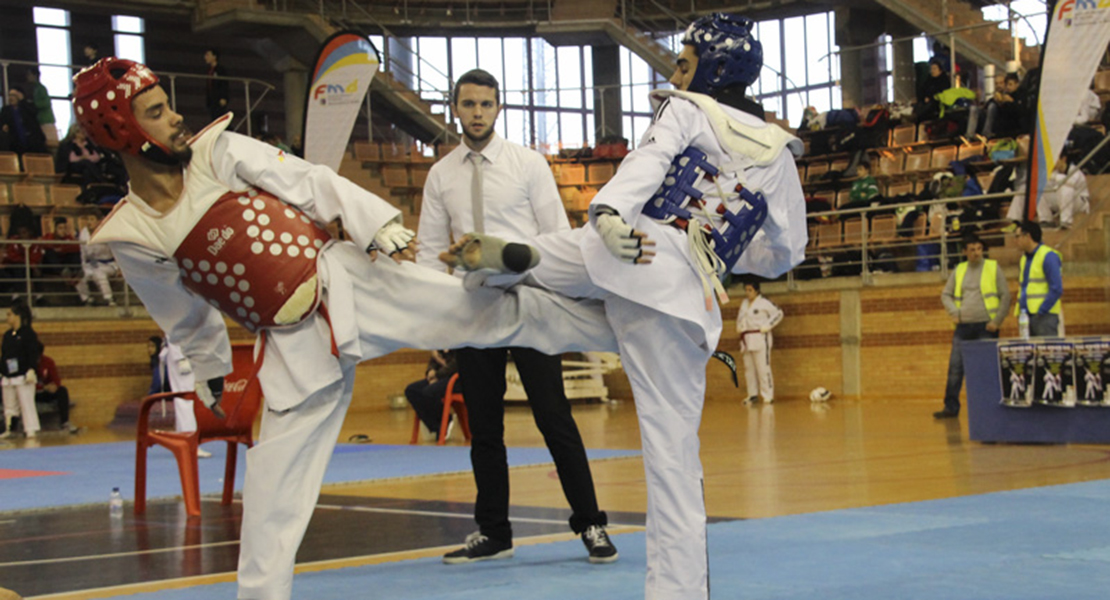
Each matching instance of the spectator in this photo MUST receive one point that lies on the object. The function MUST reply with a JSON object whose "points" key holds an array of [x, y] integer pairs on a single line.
{"points": [[17, 259], [62, 261], [49, 390], [976, 298], [216, 98], [19, 355], [92, 53], [1090, 109], [865, 189], [44, 113], [928, 107], [97, 264], [18, 121], [754, 321], [77, 159], [426, 395], [1065, 195], [1040, 283]]}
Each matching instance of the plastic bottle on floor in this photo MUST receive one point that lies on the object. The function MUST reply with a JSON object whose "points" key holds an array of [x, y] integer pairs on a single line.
{"points": [[115, 504]]}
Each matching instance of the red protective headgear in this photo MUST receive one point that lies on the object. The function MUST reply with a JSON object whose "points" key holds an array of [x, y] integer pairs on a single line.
{"points": [[102, 97]]}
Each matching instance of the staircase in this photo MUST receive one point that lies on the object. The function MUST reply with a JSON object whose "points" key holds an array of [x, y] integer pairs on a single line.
{"points": [[1088, 242], [300, 34], [982, 45], [655, 54]]}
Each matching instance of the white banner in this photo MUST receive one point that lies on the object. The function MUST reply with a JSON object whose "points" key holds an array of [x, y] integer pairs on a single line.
{"points": [[1078, 32], [344, 68]]}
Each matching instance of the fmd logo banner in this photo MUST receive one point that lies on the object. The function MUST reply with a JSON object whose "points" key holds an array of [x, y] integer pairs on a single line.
{"points": [[344, 69]]}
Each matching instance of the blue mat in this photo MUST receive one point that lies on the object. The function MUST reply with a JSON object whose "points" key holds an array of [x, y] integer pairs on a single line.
{"points": [[87, 473], [1038, 544]]}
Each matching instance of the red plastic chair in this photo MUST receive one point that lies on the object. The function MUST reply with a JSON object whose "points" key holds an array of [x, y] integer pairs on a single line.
{"points": [[241, 401], [451, 399]]}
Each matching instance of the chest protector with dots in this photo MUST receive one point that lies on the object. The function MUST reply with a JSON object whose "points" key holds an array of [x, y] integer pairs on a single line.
{"points": [[253, 257]]}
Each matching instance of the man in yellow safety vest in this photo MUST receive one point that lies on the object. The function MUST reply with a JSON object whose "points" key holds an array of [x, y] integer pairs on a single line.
{"points": [[976, 298], [1041, 283]]}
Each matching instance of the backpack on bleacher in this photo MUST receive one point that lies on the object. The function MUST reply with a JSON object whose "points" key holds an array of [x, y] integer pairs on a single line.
{"points": [[1003, 149]]}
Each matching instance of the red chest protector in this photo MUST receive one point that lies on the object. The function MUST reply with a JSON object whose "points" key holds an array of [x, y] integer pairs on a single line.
{"points": [[253, 257]]}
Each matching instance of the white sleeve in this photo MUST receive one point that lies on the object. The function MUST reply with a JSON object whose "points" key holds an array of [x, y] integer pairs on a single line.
{"points": [[187, 319], [544, 194], [434, 229], [241, 161], [781, 244], [642, 171], [776, 314]]}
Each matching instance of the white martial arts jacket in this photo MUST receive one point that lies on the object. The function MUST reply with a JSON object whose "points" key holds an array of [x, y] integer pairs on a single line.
{"points": [[670, 283], [753, 317], [298, 360]]}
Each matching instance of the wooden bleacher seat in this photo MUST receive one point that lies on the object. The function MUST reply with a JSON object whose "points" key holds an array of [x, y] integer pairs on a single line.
{"points": [[903, 135], [855, 229], [816, 170], [985, 180], [571, 174], [419, 174], [942, 155], [828, 236], [828, 196], [917, 161], [395, 176], [30, 194], [884, 229], [1102, 81], [802, 173], [64, 194], [839, 165], [5, 198], [445, 149], [890, 163], [368, 151], [9, 167], [40, 167], [970, 149], [811, 240], [394, 153], [843, 196], [600, 172], [416, 155], [1023, 144], [897, 189]]}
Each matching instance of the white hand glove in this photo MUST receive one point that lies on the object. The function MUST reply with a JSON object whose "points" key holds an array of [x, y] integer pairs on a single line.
{"points": [[31, 377], [618, 238], [765, 329], [392, 237]]}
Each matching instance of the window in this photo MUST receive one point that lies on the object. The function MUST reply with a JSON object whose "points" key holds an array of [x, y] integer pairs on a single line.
{"points": [[52, 38], [801, 73], [129, 37]]}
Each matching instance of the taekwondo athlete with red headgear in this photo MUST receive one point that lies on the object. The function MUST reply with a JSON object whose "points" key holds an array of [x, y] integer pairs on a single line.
{"points": [[220, 223], [710, 189]]}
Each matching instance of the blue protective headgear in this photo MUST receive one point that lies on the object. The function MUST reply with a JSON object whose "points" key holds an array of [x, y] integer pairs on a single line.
{"points": [[727, 52]]}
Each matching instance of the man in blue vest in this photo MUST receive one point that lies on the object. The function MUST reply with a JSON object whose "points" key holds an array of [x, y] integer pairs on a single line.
{"points": [[1041, 283], [976, 298]]}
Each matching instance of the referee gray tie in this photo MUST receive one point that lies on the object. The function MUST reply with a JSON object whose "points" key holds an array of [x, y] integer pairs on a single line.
{"points": [[476, 204]]}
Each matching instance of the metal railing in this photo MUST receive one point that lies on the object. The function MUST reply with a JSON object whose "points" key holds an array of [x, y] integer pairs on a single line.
{"points": [[169, 81], [52, 281]]}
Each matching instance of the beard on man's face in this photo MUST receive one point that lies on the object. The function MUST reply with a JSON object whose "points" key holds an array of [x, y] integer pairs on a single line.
{"points": [[478, 138]]}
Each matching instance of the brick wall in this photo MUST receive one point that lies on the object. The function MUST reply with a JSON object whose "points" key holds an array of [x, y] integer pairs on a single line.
{"points": [[904, 347]]}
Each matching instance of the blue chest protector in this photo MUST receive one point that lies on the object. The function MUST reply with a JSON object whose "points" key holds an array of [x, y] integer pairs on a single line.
{"points": [[730, 231]]}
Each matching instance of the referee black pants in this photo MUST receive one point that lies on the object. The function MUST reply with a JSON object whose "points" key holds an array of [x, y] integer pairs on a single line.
{"points": [[542, 376]]}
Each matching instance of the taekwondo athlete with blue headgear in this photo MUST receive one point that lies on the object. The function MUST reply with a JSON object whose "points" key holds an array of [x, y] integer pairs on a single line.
{"points": [[711, 188]]}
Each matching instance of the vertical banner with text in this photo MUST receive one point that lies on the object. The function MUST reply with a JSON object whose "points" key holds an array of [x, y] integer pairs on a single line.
{"points": [[340, 80], [1078, 32]]}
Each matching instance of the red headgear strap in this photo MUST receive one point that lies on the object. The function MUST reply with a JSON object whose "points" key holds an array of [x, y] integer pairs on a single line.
{"points": [[102, 97]]}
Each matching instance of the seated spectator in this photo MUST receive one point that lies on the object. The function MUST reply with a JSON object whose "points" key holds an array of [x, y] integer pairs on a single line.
{"points": [[19, 120], [426, 395], [77, 159], [863, 189], [1090, 109], [1065, 195], [927, 107], [97, 264], [49, 390], [62, 257], [18, 257]]}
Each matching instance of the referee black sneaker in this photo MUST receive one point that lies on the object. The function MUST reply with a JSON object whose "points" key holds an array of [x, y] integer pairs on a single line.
{"points": [[479, 547], [597, 542]]}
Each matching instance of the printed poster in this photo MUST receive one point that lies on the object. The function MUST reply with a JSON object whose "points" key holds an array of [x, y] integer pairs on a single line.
{"points": [[1054, 374], [1092, 372], [1015, 361]]}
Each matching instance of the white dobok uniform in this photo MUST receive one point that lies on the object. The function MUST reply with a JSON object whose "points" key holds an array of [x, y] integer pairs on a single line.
{"points": [[249, 217], [1065, 196], [666, 326], [97, 264], [755, 344], [179, 374]]}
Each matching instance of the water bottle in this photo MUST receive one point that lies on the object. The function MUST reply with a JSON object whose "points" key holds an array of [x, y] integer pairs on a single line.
{"points": [[115, 504], [1023, 324]]}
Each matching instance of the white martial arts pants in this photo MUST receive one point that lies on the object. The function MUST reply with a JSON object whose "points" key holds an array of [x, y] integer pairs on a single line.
{"points": [[757, 373], [394, 306], [99, 272], [19, 400], [665, 359]]}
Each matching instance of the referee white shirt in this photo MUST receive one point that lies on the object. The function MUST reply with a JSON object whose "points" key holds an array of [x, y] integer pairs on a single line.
{"points": [[519, 197]]}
